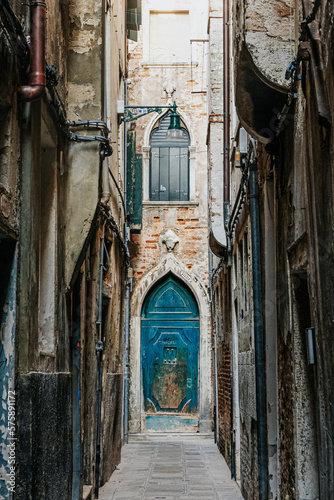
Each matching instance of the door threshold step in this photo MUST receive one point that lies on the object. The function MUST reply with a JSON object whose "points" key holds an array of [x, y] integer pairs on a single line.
{"points": [[87, 492], [158, 436]]}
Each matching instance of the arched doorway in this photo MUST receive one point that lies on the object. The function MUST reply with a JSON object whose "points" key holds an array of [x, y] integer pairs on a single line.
{"points": [[169, 357]]}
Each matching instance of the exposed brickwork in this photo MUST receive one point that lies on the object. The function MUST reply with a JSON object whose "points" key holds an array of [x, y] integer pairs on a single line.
{"points": [[224, 400], [286, 418], [188, 223], [248, 461]]}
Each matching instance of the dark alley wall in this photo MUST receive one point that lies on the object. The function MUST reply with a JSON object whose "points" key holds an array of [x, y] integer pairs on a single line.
{"points": [[50, 211], [295, 172]]}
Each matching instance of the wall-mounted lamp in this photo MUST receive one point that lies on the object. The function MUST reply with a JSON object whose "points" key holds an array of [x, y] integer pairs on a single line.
{"points": [[174, 132], [310, 344], [131, 113]]}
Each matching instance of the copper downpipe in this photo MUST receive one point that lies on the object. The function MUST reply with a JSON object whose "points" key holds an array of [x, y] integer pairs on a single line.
{"points": [[37, 79], [226, 90]]}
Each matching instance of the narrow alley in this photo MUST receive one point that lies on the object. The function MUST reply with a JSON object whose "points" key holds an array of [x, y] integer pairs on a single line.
{"points": [[166, 249], [174, 468]]}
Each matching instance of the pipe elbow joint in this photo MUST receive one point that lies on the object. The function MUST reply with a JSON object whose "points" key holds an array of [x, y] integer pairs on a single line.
{"points": [[30, 93]]}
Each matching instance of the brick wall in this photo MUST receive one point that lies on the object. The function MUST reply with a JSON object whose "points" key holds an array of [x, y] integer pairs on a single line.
{"points": [[248, 459], [224, 400], [146, 248], [286, 418]]}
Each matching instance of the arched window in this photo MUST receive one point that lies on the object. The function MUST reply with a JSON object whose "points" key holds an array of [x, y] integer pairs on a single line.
{"points": [[169, 165]]}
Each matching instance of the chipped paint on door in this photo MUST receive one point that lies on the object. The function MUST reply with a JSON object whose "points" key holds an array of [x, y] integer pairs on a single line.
{"points": [[8, 273], [170, 344]]}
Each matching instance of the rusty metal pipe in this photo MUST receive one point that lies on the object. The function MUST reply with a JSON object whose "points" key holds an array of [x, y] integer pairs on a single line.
{"points": [[226, 90], [37, 78], [259, 339]]}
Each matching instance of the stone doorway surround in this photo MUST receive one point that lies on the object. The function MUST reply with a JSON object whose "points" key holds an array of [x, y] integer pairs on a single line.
{"points": [[170, 264]]}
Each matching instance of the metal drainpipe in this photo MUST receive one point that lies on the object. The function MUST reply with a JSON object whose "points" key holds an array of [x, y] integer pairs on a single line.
{"points": [[226, 90], [125, 140], [127, 295], [233, 474], [106, 100], [214, 351], [216, 423], [126, 363], [37, 78], [99, 354], [262, 440]]}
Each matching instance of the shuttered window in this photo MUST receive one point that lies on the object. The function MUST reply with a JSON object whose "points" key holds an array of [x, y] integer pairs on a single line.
{"points": [[134, 199], [169, 165]]}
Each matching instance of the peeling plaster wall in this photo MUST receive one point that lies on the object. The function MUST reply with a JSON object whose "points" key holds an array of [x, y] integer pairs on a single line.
{"points": [[112, 331], [90, 99], [268, 29], [296, 193], [215, 122], [85, 103], [49, 193], [187, 220]]}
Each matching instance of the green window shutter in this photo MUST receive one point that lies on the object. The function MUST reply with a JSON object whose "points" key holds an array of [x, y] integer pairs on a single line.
{"points": [[133, 19], [134, 202], [136, 218], [130, 173]]}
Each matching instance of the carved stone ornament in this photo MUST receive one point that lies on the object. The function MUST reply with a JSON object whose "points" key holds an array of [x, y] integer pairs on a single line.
{"points": [[169, 88], [170, 239]]}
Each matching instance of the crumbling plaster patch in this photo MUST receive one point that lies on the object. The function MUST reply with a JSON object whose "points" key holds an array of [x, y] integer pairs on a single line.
{"points": [[81, 96], [268, 30]]}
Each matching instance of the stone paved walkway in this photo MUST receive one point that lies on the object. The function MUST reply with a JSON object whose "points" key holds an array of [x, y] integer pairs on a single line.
{"points": [[171, 470]]}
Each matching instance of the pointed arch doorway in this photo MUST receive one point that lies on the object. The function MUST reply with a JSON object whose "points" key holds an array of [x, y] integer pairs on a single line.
{"points": [[169, 358]]}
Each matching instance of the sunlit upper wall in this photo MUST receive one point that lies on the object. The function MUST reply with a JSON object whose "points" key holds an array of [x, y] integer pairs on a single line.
{"points": [[268, 29], [170, 26], [169, 36]]}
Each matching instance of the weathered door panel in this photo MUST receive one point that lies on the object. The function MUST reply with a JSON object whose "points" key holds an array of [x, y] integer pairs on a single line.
{"points": [[170, 344], [170, 367]]}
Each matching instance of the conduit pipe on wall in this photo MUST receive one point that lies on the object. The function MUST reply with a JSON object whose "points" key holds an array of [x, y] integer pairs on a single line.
{"points": [[106, 165], [126, 363], [226, 90], [260, 377], [37, 78], [127, 297], [99, 353]]}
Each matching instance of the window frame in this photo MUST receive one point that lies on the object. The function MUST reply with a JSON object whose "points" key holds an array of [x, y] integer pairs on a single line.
{"points": [[164, 149]]}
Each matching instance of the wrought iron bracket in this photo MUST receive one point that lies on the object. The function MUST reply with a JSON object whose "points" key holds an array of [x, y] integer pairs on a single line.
{"points": [[132, 113]]}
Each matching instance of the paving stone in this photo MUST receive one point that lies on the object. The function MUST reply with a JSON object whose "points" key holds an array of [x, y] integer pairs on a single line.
{"points": [[161, 470]]}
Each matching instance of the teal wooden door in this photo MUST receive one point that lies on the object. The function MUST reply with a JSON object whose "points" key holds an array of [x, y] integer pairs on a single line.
{"points": [[169, 352]]}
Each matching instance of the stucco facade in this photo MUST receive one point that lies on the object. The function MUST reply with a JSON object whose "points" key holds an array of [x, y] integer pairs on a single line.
{"points": [[178, 77]]}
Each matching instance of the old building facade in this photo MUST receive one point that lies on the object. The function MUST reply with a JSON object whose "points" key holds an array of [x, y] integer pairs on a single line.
{"points": [[270, 296], [64, 255], [166, 242], [169, 247]]}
